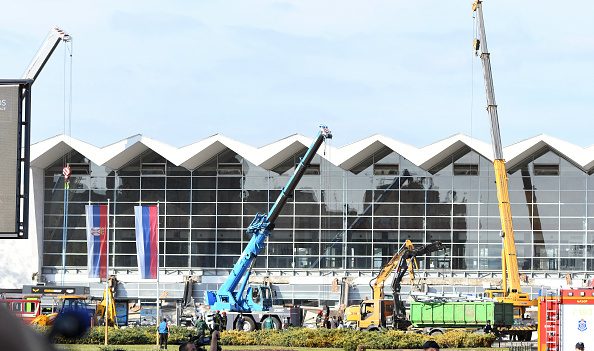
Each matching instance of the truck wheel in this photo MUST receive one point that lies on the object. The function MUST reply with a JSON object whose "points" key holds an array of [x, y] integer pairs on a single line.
{"points": [[436, 332], [373, 329], [248, 324]]}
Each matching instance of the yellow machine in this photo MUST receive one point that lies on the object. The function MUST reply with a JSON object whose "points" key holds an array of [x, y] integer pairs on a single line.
{"points": [[108, 304], [64, 301], [380, 312], [510, 291], [80, 301]]}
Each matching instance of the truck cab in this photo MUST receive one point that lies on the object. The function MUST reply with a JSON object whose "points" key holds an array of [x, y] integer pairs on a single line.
{"points": [[371, 315]]}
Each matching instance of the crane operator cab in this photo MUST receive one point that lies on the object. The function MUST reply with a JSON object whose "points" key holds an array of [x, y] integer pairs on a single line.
{"points": [[260, 297]]}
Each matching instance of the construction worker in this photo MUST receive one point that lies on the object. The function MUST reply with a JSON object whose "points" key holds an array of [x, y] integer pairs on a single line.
{"points": [[217, 320], [223, 321], [488, 329], [579, 346], [268, 323], [202, 329], [239, 322]]}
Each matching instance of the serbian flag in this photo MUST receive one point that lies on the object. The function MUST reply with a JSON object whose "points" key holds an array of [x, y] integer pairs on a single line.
{"points": [[97, 241], [147, 240]]}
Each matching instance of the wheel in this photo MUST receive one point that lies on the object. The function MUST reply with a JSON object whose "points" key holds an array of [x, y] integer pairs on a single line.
{"points": [[436, 332], [248, 323], [373, 329]]}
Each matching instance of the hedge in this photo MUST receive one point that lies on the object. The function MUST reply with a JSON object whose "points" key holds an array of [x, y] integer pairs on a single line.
{"points": [[294, 337], [128, 336], [350, 339]]}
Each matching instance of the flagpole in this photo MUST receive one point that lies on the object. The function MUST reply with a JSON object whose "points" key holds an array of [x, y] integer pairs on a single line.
{"points": [[158, 290], [107, 302]]}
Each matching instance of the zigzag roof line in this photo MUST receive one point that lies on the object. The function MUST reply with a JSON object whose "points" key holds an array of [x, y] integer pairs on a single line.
{"points": [[269, 156]]}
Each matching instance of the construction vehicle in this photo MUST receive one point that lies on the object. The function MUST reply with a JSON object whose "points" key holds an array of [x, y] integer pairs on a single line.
{"points": [[64, 302], [96, 316], [379, 312], [26, 309], [106, 309], [255, 302], [510, 291]]}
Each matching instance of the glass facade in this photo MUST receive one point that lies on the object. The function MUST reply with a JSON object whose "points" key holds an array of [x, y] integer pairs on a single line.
{"points": [[337, 220]]}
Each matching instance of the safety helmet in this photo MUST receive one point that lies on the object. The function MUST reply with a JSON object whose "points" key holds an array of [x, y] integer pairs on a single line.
{"points": [[224, 313]]}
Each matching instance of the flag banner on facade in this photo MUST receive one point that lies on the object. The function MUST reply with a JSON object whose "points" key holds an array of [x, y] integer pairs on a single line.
{"points": [[97, 241], [147, 240]]}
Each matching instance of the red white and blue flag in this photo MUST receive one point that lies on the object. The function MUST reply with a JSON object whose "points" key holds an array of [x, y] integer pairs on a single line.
{"points": [[147, 240], [97, 241]]}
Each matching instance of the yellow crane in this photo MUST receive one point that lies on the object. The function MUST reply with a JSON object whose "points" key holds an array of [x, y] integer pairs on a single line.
{"points": [[511, 291]]}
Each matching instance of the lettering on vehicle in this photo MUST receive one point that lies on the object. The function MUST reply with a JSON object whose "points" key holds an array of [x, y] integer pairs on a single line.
{"points": [[3, 105]]}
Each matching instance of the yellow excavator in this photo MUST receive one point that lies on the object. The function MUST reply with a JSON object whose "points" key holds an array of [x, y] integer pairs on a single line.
{"points": [[511, 291], [71, 302], [379, 312]]}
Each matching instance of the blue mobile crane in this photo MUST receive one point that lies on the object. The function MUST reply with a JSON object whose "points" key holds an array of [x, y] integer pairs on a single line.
{"points": [[232, 295]]}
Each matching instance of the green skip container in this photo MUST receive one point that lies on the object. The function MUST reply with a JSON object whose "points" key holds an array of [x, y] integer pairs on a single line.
{"points": [[461, 314]]}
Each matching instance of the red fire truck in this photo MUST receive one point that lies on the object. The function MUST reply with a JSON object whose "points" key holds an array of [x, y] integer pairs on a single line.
{"points": [[565, 318], [25, 309]]}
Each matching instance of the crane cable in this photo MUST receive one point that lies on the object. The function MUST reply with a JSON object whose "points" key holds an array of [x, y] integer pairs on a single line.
{"points": [[67, 100], [67, 93]]}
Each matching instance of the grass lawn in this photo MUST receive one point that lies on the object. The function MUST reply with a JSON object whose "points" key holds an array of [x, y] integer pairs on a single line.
{"points": [[175, 348]]}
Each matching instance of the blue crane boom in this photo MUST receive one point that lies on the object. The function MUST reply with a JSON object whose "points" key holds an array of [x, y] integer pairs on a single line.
{"points": [[231, 298]]}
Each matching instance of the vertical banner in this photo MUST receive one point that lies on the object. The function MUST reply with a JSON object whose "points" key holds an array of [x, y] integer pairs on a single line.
{"points": [[147, 240], [97, 240]]}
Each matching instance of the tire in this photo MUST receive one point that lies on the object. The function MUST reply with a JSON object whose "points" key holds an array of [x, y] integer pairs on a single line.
{"points": [[435, 332], [373, 329], [248, 323]]}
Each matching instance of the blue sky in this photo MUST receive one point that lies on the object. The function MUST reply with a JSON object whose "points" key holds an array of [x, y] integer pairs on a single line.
{"points": [[257, 71]]}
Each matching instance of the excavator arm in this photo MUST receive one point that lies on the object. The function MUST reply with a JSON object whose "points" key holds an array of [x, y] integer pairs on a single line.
{"points": [[377, 283], [407, 263]]}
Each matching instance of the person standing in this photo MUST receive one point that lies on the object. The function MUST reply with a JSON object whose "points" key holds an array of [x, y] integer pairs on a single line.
{"points": [[163, 330], [217, 320], [268, 323], [579, 346], [488, 329], [223, 321], [239, 322], [333, 323], [202, 329]]}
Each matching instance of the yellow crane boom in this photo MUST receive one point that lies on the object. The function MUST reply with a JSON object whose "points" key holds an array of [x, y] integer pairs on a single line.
{"points": [[511, 290]]}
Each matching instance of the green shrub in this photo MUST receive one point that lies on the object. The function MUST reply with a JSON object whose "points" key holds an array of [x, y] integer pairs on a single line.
{"points": [[346, 339]]}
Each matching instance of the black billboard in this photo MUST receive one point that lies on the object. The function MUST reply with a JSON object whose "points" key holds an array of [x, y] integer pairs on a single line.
{"points": [[9, 158], [15, 106]]}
